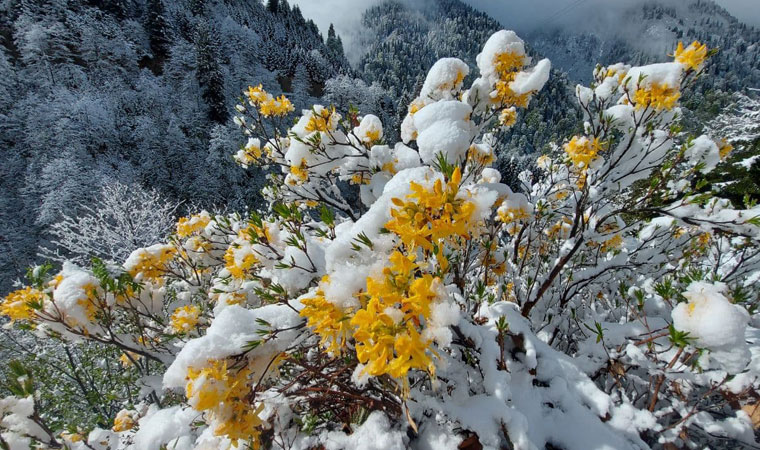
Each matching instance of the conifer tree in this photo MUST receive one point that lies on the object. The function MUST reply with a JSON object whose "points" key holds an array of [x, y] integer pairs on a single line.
{"points": [[209, 74], [273, 6], [157, 28]]}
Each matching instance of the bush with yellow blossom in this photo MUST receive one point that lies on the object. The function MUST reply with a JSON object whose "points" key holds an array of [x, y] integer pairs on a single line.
{"points": [[400, 291]]}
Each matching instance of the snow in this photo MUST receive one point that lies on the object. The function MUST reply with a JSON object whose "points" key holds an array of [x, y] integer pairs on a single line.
{"points": [[228, 334], [490, 175], [166, 427], [532, 79], [500, 42], [668, 74], [443, 129], [704, 150], [748, 162], [714, 323], [444, 78], [72, 292], [374, 434]]}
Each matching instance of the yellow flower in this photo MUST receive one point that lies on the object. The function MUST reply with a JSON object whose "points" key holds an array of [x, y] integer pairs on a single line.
{"points": [[330, 322], [189, 225], [359, 178], [239, 259], [257, 94], [321, 120], [693, 56], [389, 167], [239, 421], [372, 135], [508, 63], [300, 172], [185, 318], [21, 304], [508, 117], [480, 154], [416, 106], [658, 96], [396, 307], [71, 437], [505, 96], [123, 421], [224, 391], [278, 107], [611, 244], [411, 353], [88, 303], [126, 359], [725, 149], [153, 264], [431, 214], [582, 151]]}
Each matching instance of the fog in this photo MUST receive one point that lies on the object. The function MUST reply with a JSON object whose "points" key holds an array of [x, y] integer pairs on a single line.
{"points": [[530, 15]]}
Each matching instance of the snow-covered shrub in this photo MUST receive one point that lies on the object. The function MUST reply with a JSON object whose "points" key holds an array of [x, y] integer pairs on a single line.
{"points": [[605, 305], [123, 217]]}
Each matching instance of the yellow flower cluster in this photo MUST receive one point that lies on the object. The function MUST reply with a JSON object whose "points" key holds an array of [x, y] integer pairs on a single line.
{"points": [[395, 307], [189, 225], [330, 322], [18, 304], [267, 104], [88, 302], [725, 149], [582, 151], [123, 421], [239, 259], [224, 392], [153, 265], [508, 65], [431, 214], [508, 117], [658, 96], [612, 243], [300, 172], [256, 233], [185, 318], [321, 120], [389, 326], [509, 215], [693, 56], [251, 153]]}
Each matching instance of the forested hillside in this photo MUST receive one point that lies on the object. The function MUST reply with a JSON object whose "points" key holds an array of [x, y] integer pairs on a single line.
{"points": [[138, 92], [407, 39]]}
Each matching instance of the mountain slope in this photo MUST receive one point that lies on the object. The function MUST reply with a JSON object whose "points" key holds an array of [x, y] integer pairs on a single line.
{"points": [[137, 91], [407, 40]]}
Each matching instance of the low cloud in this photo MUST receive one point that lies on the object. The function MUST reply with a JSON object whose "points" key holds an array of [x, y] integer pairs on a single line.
{"points": [[344, 15], [534, 15]]}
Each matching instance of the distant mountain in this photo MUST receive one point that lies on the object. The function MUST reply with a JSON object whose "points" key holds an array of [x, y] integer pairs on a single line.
{"points": [[648, 31], [405, 42]]}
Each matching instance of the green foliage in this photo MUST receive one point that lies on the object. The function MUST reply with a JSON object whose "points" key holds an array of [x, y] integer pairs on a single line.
{"points": [[735, 182]]}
